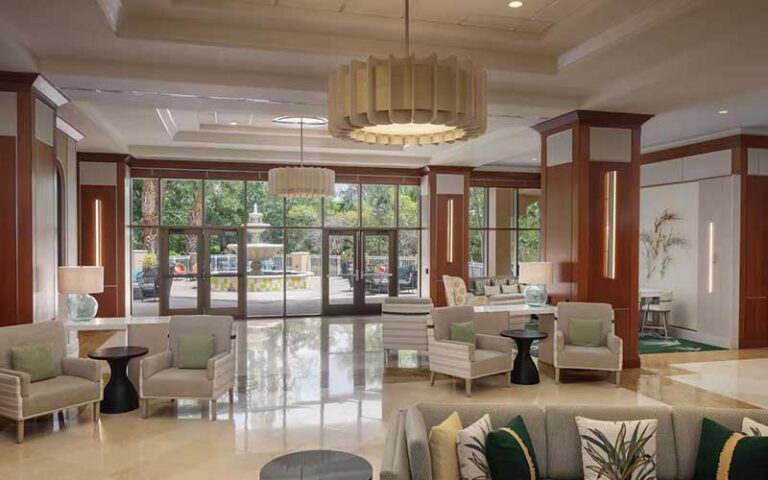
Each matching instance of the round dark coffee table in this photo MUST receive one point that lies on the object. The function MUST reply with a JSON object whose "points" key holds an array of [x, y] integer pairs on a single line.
{"points": [[317, 465], [119, 393], [524, 371]]}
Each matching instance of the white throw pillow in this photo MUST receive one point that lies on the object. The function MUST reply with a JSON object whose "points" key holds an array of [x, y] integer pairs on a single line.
{"points": [[600, 439], [510, 288], [752, 428], [492, 290], [473, 465]]}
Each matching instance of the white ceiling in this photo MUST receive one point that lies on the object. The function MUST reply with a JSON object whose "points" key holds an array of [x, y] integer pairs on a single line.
{"points": [[166, 78]]}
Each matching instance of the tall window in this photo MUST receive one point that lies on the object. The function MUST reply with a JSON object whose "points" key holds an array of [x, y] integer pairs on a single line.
{"points": [[283, 237], [503, 230]]}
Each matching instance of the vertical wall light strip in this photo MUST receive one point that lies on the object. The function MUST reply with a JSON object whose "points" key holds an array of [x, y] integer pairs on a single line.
{"points": [[449, 243], [610, 224], [711, 262], [97, 232]]}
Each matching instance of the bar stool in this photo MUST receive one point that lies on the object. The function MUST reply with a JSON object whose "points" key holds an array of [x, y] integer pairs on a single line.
{"points": [[660, 312]]}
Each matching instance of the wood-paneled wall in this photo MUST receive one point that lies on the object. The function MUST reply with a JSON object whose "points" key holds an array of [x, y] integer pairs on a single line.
{"points": [[112, 239], [8, 260], [754, 318]]}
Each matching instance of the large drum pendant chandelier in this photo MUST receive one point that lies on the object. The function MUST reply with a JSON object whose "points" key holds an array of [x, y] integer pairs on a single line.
{"points": [[407, 100], [302, 181]]}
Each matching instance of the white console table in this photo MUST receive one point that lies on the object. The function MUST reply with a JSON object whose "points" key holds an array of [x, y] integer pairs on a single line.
{"points": [[519, 310]]}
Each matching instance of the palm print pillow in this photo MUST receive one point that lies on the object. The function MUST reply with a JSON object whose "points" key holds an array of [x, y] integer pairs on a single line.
{"points": [[473, 464]]}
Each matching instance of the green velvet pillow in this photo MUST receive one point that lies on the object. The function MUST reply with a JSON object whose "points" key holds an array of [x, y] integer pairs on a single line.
{"points": [[463, 332], [585, 332], [36, 360], [724, 453], [510, 453], [195, 350]]}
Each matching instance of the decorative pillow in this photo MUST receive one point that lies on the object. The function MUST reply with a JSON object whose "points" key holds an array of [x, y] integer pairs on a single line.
{"points": [[625, 450], [752, 428], [36, 360], [492, 290], [730, 455], [513, 288], [463, 332], [479, 285], [585, 332], [195, 350], [473, 464], [443, 440], [510, 453]]}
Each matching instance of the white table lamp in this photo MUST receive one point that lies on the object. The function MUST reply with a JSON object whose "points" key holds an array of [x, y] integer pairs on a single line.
{"points": [[537, 275], [79, 283]]}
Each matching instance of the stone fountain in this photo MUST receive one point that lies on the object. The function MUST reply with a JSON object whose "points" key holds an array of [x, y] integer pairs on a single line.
{"points": [[256, 252]]}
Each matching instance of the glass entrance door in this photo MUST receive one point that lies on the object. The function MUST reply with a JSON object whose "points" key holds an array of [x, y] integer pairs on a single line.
{"points": [[358, 266], [203, 272], [223, 288], [378, 265], [342, 276], [180, 273]]}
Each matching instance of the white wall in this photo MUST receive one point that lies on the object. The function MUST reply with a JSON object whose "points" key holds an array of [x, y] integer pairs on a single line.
{"points": [[681, 275], [707, 193]]}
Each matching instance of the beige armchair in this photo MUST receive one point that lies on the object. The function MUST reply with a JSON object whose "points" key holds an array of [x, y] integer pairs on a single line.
{"points": [[456, 293], [557, 350], [77, 382], [159, 377], [490, 355]]}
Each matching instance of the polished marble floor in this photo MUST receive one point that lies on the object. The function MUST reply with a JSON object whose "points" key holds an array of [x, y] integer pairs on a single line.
{"points": [[323, 383]]}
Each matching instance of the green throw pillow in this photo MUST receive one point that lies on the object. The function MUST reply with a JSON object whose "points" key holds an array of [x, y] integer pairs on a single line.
{"points": [[726, 454], [36, 360], [195, 350], [463, 332], [510, 453], [585, 332]]}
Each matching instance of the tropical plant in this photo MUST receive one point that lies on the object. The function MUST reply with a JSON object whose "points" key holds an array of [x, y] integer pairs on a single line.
{"points": [[149, 261], [623, 459], [659, 242]]}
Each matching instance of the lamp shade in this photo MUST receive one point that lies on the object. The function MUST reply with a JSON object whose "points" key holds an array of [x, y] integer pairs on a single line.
{"points": [[536, 273], [81, 280]]}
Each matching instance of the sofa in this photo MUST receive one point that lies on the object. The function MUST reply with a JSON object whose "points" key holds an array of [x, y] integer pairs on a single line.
{"points": [[554, 435], [77, 381], [477, 287]]}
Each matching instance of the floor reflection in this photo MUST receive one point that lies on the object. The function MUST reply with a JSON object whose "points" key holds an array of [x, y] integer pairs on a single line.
{"points": [[314, 373]]}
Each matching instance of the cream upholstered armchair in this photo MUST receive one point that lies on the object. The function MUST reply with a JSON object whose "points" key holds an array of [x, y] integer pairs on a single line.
{"points": [[490, 355], [456, 293], [77, 381], [558, 351], [160, 377]]}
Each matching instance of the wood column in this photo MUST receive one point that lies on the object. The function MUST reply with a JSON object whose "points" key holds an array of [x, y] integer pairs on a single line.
{"points": [[28, 264], [101, 180], [448, 227], [581, 152]]}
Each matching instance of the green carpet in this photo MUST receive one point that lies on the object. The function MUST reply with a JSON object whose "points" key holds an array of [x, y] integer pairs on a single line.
{"points": [[657, 344]]}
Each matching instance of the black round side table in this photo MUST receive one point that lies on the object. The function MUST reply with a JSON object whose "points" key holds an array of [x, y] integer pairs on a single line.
{"points": [[524, 371], [317, 465], [119, 393]]}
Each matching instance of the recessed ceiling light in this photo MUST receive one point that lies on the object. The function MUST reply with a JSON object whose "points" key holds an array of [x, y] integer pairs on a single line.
{"points": [[723, 112], [534, 159], [307, 121], [233, 123], [515, 4]]}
